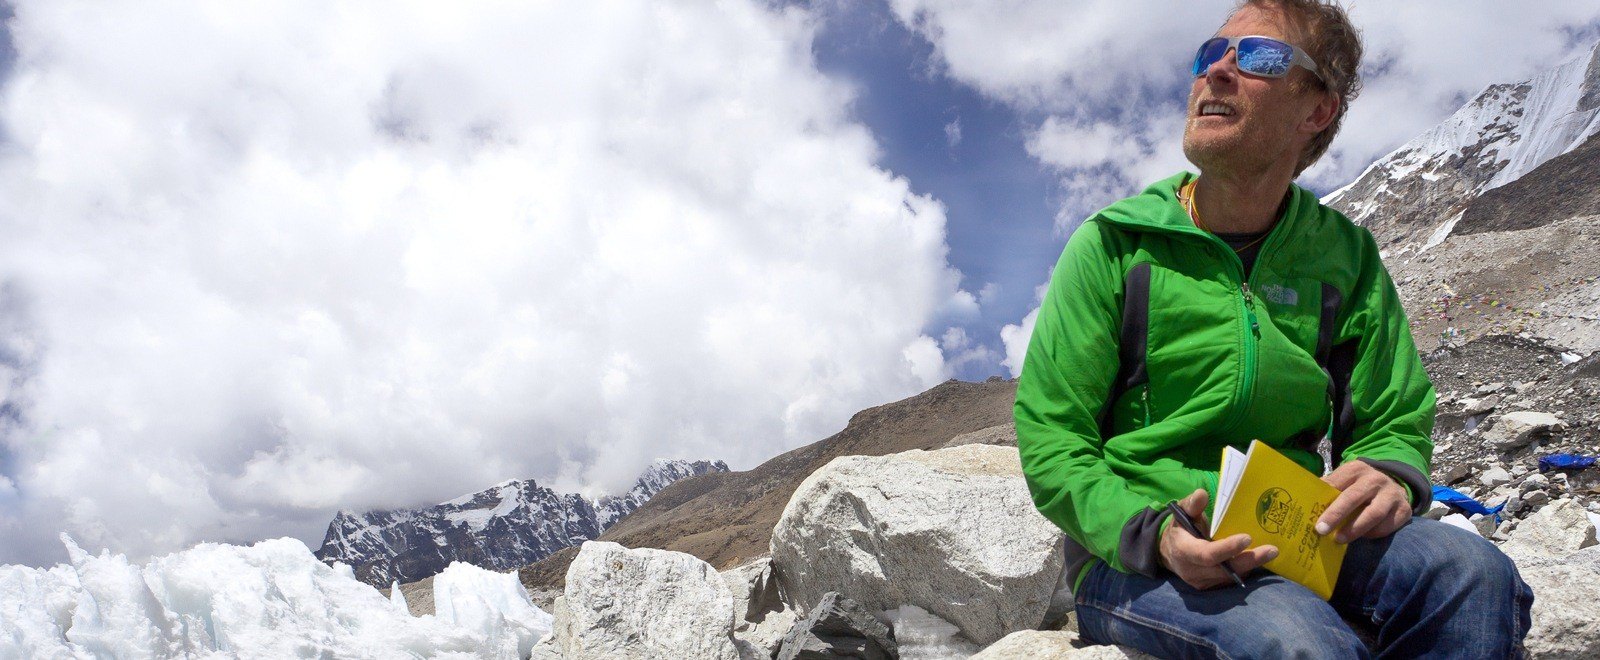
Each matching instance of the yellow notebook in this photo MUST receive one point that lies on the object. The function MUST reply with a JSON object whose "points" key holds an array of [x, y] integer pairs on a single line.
{"points": [[1277, 502]]}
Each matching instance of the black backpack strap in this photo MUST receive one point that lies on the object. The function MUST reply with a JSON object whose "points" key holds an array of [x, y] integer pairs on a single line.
{"points": [[1327, 322], [1133, 340], [1338, 362]]}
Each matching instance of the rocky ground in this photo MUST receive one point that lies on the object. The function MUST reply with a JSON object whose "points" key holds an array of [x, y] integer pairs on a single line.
{"points": [[925, 554], [1490, 389]]}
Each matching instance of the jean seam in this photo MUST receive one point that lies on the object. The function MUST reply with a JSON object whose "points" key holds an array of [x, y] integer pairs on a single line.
{"points": [[1159, 627]]}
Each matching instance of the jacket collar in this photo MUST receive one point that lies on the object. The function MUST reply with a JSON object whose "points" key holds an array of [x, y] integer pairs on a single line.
{"points": [[1157, 209]]}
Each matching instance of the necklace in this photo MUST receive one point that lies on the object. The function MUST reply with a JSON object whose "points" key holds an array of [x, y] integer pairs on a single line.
{"points": [[1187, 193]]}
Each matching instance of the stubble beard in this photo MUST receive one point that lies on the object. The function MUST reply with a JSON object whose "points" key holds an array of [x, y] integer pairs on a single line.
{"points": [[1233, 152]]}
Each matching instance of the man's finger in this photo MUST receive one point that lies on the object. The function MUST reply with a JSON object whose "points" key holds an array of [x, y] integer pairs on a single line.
{"points": [[1344, 475], [1394, 513], [1253, 559], [1349, 500], [1215, 552], [1367, 518], [1195, 504]]}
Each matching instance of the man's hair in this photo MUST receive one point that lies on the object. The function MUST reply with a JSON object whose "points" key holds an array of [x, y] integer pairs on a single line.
{"points": [[1329, 38]]}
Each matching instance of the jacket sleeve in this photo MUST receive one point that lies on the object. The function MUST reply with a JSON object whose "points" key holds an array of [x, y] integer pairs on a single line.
{"points": [[1066, 378], [1391, 398]]}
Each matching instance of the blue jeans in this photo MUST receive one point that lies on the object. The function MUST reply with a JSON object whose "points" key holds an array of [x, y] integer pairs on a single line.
{"points": [[1429, 590]]}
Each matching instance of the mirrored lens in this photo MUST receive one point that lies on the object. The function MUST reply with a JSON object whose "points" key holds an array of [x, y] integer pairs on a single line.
{"points": [[1265, 57], [1210, 51]]}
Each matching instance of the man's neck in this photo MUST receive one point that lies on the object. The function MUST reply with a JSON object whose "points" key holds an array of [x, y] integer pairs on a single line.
{"points": [[1240, 205]]}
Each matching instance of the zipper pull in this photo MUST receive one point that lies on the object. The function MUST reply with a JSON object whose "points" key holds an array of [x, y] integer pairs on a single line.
{"points": [[1250, 309], [1146, 401]]}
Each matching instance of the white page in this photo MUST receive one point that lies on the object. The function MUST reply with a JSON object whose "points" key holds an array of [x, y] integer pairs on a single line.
{"points": [[1232, 469]]}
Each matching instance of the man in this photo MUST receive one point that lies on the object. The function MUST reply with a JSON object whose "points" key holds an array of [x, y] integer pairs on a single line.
{"points": [[1215, 309]]}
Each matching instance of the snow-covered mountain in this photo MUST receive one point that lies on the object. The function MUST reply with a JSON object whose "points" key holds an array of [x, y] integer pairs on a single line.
{"points": [[659, 475], [511, 524], [1411, 199]]}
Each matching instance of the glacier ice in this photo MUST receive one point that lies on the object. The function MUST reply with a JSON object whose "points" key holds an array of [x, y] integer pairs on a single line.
{"points": [[269, 600]]}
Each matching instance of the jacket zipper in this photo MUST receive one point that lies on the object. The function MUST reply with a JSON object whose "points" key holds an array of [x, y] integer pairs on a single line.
{"points": [[1145, 397], [1250, 335], [1251, 339]]}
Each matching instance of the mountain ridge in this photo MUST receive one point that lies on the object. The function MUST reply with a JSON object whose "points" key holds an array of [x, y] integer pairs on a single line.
{"points": [[501, 527]]}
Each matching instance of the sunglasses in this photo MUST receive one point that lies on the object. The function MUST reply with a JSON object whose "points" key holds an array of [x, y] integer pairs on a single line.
{"points": [[1258, 56]]}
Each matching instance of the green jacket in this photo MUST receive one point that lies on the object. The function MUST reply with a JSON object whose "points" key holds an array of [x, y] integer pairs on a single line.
{"points": [[1228, 360]]}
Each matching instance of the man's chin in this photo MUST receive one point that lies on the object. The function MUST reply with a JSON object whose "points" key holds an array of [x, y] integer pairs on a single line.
{"points": [[1209, 154]]}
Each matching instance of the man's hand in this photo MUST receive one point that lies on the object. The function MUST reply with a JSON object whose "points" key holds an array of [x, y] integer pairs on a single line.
{"points": [[1199, 562], [1378, 503]]}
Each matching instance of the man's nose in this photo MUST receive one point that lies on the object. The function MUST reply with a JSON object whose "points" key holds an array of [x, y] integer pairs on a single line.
{"points": [[1226, 68]]}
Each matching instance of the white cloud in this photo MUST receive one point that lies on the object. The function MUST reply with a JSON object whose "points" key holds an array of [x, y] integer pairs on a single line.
{"points": [[1016, 336], [952, 133], [1051, 55], [273, 258]]}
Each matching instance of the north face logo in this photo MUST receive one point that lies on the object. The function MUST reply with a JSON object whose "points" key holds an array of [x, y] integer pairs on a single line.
{"points": [[1281, 295]]}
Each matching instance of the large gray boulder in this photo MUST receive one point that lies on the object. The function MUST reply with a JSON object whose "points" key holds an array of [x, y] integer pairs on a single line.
{"points": [[1566, 604], [1003, 435], [1556, 554], [1560, 528], [642, 603], [1515, 430], [951, 531], [1032, 644]]}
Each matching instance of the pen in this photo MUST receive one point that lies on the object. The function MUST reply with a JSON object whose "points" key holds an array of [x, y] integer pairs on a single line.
{"points": [[1183, 519]]}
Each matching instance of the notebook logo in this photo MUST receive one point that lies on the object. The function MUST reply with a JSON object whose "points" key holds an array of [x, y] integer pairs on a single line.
{"points": [[1273, 509], [1281, 295]]}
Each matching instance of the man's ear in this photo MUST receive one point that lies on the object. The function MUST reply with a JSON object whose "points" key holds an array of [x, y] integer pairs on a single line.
{"points": [[1322, 113]]}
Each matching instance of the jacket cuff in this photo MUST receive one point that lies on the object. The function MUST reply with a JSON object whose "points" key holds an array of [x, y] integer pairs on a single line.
{"points": [[1140, 545], [1414, 479]]}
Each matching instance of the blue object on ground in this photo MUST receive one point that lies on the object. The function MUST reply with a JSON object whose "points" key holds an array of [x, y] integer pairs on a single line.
{"points": [[1454, 498], [1565, 462]]}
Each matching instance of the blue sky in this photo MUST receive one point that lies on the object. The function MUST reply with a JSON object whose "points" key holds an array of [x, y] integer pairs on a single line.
{"points": [[1001, 202]]}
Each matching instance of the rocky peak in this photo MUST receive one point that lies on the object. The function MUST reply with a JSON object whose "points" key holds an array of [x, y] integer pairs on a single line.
{"points": [[1411, 198], [505, 526], [659, 475]]}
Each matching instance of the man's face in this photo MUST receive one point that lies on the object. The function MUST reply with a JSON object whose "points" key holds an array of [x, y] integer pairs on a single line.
{"points": [[1263, 124]]}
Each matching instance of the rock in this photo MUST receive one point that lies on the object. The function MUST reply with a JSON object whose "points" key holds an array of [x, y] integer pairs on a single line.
{"points": [[1512, 505], [1460, 521], [1533, 499], [1535, 482], [1494, 477], [1436, 510], [1559, 480], [838, 627], [1003, 435], [1560, 528], [642, 603], [1515, 430], [1518, 471], [1481, 406], [1031, 644], [1454, 474], [1482, 524], [1503, 532], [1565, 590], [952, 531], [761, 618]]}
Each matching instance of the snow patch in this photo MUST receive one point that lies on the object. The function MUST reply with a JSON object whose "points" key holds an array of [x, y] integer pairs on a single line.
{"points": [[923, 635], [1441, 233], [272, 599]]}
